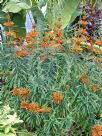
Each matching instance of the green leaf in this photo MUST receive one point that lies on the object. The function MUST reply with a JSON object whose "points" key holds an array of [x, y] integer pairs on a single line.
{"points": [[11, 7], [64, 11], [16, 6], [1, 1], [7, 129]]}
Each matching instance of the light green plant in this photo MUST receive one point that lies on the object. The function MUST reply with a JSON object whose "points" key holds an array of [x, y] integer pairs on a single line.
{"points": [[8, 118]]}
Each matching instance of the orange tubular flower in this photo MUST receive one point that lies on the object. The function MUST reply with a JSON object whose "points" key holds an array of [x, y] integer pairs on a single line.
{"points": [[59, 25], [82, 31], [21, 53], [9, 24], [46, 39], [33, 33], [77, 48], [95, 87], [83, 22], [57, 97], [59, 33], [40, 110], [84, 78], [30, 40], [44, 44], [10, 33], [90, 48], [24, 105], [99, 43], [97, 130], [33, 106], [100, 65], [81, 39], [60, 40], [34, 25], [16, 91]]}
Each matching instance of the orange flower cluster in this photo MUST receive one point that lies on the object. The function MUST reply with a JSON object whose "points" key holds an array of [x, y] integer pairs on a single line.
{"points": [[84, 78], [82, 22], [57, 97], [95, 87], [97, 130], [10, 33], [54, 38], [20, 53], [8, 24], [80, 39], [77, 48], [24, 92], [30, 40], [34, 107], [82, 31], [33, 33]]}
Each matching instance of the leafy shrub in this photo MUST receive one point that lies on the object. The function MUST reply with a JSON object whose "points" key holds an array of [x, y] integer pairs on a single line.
{"points": [[53, 83]]}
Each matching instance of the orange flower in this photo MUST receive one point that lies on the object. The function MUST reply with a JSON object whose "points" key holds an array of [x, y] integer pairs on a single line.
{"points": [[21, 53], [95, 87], [77, 48], [59, 33], [81, 39], [34, 25], [40, 110], [59, 25], [82, 31], [58, 46], [57, 97], [100, 65], [33, 33], [16, 91], [9, 73], [46, 38], [24, 105], [45, 44], [30, 40], [10, 33], [90, 48], [60, 40], [97, 130], [99, 43], [33, 106], [83, 22], [84, 78], [8, 24], [84, 17]]}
